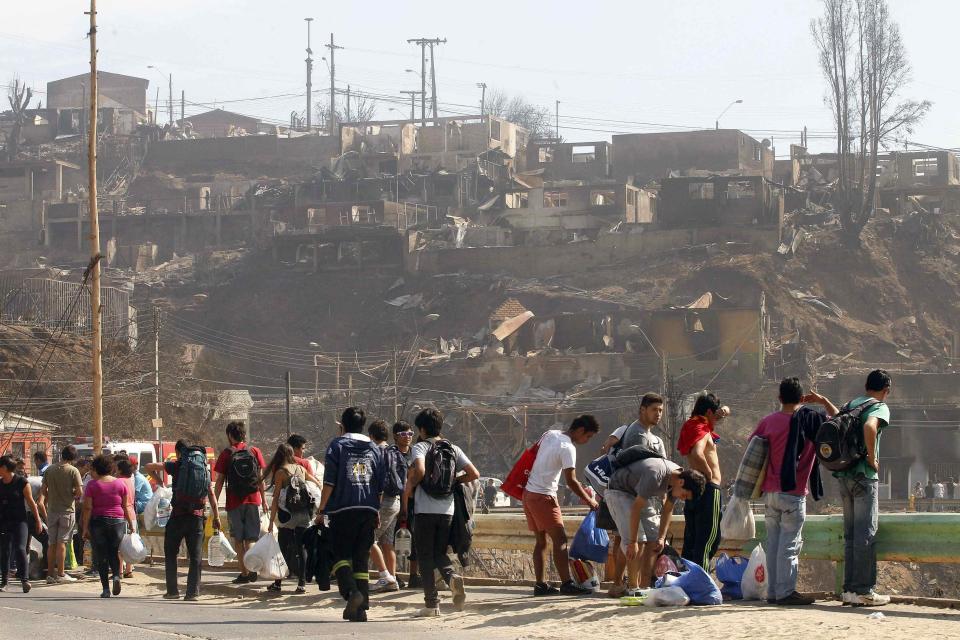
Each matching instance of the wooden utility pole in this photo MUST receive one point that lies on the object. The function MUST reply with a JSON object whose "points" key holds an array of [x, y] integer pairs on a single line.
{"points": [[95, 311], [396, 391], [287, 377], [156, 373]]}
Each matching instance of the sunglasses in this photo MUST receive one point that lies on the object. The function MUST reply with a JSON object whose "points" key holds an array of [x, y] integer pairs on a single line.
{"points": [[407, 434]]}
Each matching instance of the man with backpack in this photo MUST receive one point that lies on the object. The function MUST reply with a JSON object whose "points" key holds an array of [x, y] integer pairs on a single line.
{"points": [[556, 456], [865, 417], [791, 462], [240, 466], [192, 491], [638, 480], [353, 479], [438, 465], [382, 551], [640, 431]]}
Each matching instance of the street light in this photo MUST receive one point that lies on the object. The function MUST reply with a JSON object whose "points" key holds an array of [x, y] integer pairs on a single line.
{"points": [[170, 99], [725, 110]]}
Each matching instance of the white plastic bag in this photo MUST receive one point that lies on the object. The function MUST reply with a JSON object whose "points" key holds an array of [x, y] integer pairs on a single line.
{"points": [[266, 559], [158, 509], [666, 597], [754, 582], [219, 550], [132, 548], [265, 521], [36, 546], [738, 522]]}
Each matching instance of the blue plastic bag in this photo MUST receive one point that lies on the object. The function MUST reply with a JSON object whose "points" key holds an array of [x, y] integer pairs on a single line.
{"points": [[590, 542], [730, 573], [696, 583]]}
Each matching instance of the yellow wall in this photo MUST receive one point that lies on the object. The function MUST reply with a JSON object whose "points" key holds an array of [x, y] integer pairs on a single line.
{"points": [[739, 333]]}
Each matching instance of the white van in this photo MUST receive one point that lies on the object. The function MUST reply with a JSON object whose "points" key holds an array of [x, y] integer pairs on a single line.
{"points": [[145, 452]]}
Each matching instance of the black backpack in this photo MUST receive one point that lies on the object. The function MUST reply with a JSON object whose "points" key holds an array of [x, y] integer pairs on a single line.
{"points": [[440, 469], [243, 475], [839, 443], [299, 498], [626, 457], [396, 476]]}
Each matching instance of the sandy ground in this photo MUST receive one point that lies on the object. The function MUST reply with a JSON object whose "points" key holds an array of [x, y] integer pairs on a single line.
{"points": [[227, 612]]}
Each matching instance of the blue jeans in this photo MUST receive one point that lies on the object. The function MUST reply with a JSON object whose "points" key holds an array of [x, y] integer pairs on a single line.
{"points": [[783, 518], [860, 507]]}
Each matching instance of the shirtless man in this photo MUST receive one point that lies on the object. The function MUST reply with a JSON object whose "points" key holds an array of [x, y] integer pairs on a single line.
{"points": [[701, 534]]}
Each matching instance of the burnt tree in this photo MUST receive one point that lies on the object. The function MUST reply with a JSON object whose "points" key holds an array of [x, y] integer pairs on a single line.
{"points": [[865, 64]]}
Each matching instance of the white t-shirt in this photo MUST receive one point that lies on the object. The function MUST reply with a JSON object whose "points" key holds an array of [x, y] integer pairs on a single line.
{"points": [[556, 454], [423, 502]]}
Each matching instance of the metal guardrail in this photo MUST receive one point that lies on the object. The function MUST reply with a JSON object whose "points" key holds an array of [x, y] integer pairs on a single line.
{"points": [[902, 537]]}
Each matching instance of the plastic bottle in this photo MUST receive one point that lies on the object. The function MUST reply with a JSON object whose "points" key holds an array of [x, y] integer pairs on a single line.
{"points": [[403, 543], [215, 553], [164, 511]]}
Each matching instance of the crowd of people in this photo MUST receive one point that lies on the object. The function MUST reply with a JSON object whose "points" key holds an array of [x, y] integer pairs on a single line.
{"points": [[371, 490]]}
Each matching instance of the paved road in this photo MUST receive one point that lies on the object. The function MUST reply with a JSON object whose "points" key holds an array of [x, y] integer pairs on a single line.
{"points": [[77, 612], [226, 612]]}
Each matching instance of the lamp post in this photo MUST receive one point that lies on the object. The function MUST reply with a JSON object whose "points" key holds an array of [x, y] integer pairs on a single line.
{"points": [[170, 87], [717, 123]]}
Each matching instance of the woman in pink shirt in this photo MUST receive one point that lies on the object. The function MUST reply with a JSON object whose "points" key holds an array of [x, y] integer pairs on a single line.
{"points": [[107, 514]]}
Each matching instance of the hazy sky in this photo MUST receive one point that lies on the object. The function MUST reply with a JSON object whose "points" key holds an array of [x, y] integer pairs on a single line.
{"points": [[615, 66]]}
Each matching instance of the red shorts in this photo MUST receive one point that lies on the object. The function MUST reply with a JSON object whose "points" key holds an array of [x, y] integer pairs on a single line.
{"points": [[542, 511]]}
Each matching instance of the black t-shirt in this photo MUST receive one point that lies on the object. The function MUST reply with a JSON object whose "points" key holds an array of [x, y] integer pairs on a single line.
{"points": [[13, 509]]}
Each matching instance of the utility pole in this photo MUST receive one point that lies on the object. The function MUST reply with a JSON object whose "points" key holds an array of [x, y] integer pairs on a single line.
{"points": [[413, 103], [333, 74], [170, 97], [433, 80], [156, 373], [423, 43], [288, 403], [309, 75], [556, 131], [396, 392], [94, 267], [183, 107], [483, 97], [348, 103]]}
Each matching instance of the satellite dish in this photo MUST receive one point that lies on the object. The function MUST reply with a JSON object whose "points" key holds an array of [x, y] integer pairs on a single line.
{"points": [[766, 143]]}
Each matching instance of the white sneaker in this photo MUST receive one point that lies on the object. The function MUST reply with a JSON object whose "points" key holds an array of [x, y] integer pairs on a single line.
{"points": [[67, 578], [53, 580], [872, 599], [428, 612], [383, 585], [848, 597]]}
